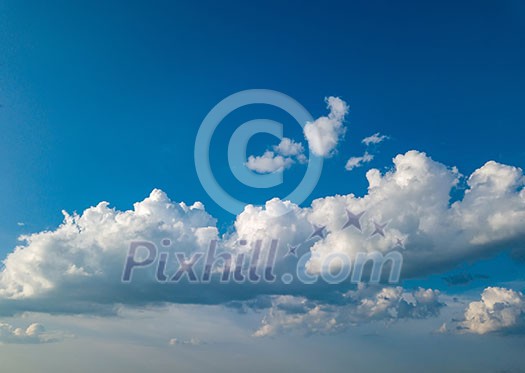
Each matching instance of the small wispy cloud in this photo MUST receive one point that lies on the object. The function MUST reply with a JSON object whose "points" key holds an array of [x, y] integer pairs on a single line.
{"points": [[188, 342], [355, 162], [376, 138]]}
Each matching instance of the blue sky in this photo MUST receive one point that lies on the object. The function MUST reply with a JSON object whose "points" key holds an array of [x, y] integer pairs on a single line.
{"points": [[96, 94], [102, 101]]}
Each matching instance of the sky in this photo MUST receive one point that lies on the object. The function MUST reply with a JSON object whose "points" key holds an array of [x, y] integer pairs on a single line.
{"points": [[414, 109]]}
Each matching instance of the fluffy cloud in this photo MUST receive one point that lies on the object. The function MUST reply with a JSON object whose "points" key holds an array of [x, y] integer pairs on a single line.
{"points": [[284, 155], [376, 138], [355, 162], [288, 147], [78, 266], [322, 136], [498, 310], [366, 304], [414, 199], [268, 162], [34, 333], [324, 133]]}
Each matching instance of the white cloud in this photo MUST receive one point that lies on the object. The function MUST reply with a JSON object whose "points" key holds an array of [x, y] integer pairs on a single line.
{"points": [[414, 198], [355, 162], [80, 263], [284, 155], [366, 304], [322, 136], [499, 309], [324, 133], [34, 333], [268, 162], [288, 147], [376, 138], [78, 266]]}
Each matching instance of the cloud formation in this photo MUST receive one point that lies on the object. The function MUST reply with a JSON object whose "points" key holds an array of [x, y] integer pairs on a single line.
{"points": [[324, 133], [78, 266], [376, 138], [33, 334], [288, 147], [414, 199], [268, 162], [498, 310], [322, 136], [355, 162], [283, 156], [363, 305]]}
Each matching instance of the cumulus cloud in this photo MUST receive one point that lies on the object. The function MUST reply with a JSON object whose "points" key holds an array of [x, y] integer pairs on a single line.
{"points": [[284, 155], [288, 147], [498, 310], [78, 266], [324, 133], [376, 138], [268, 162], [33, 334], [366, 304], [355, 162], [414, 198]]}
